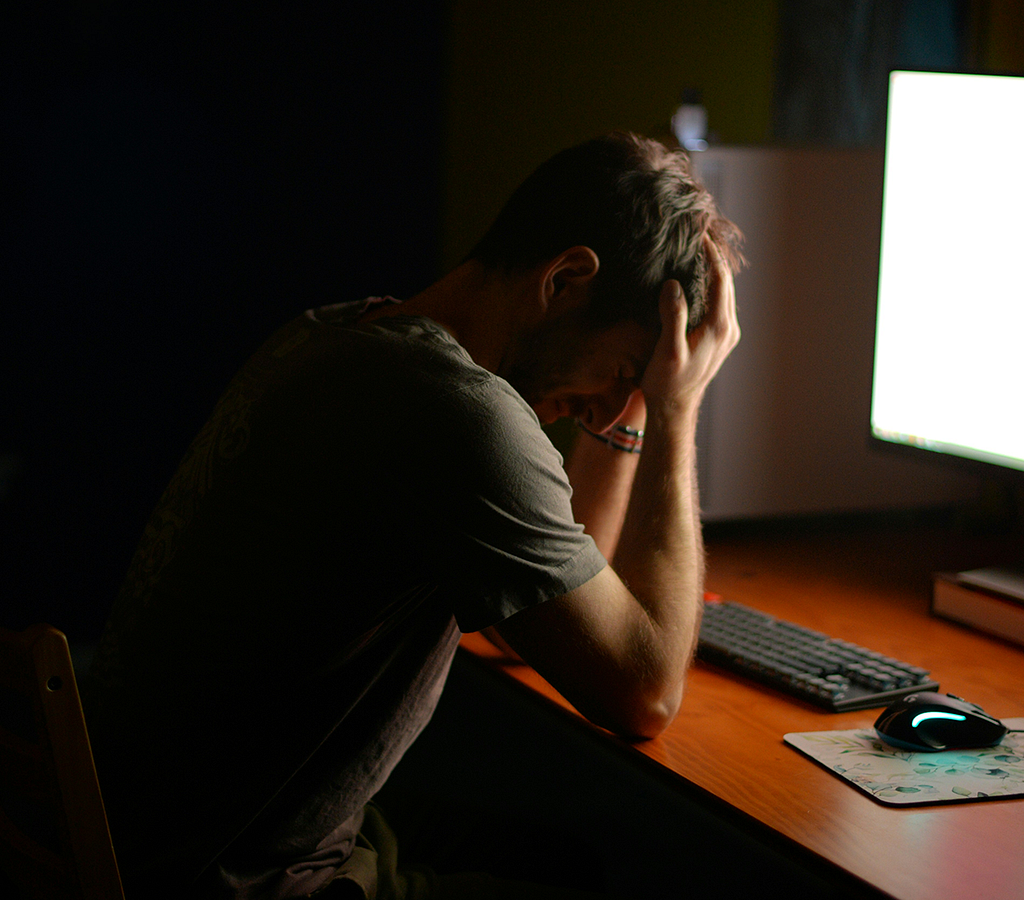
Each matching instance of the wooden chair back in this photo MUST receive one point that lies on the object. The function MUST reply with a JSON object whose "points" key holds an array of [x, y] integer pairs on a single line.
{"points": [[54, 838]]}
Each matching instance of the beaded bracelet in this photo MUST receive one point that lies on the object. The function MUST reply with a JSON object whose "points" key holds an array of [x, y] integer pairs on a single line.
{"points": [[621, 437]]}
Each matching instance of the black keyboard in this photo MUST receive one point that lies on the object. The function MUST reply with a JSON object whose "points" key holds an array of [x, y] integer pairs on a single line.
{"points": [[827, 672]]}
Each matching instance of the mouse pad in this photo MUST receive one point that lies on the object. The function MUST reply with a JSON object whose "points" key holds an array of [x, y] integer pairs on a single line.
{"points": [[903, 778]]}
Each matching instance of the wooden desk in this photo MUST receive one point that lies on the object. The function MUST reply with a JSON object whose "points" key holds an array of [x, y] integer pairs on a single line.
{"points": [[870, 587]]}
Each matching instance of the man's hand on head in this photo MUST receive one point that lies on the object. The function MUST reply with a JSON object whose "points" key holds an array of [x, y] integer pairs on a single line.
{"points": [[684, 364]]}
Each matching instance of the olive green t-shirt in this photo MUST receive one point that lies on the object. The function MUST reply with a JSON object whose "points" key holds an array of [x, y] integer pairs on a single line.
{"points": [[361, 495]]}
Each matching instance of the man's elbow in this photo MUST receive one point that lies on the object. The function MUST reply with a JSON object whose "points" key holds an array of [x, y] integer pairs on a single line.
{"points": [[647, 717]]}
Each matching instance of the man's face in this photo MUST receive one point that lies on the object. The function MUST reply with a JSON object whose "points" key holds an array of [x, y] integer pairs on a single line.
{"points": [[565, 368]]}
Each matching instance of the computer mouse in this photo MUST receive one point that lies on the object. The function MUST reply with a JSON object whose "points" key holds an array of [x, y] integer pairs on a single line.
{"points": [[928, 721]]}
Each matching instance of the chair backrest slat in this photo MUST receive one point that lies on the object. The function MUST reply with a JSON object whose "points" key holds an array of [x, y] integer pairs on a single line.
{"points": [[54, 838]]}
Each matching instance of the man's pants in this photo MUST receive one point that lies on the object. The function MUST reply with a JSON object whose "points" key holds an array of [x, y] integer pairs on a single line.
{"points": [[374, 872]]}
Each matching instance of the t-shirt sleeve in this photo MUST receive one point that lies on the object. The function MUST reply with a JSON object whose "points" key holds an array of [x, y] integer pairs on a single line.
{"points": [[505, 534]]}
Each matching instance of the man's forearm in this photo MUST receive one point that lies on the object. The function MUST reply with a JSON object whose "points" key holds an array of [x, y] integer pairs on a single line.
{"points": [[660, 552], [602, 481]]}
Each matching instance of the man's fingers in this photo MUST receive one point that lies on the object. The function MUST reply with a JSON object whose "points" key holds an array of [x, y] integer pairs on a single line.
{"points": [[721, 291], [683, 364], [712, 341], [671, 304], [674, 314]]}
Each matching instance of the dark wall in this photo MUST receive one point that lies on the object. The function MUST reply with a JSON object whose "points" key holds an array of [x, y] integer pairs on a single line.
{"points": [[833, 61], [177, 183]]}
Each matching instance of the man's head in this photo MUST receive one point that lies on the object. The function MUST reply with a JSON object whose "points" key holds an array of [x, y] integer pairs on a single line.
{"points": [[636, 205]]}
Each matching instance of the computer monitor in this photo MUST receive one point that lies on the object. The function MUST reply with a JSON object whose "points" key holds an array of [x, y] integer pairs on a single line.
{"points": [[949, 342]]}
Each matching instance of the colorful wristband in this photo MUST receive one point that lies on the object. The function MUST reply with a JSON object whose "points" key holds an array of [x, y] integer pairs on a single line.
{"points": [[621, 437]]}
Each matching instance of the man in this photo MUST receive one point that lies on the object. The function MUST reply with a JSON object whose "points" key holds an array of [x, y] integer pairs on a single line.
{"points": [[374, 482]]}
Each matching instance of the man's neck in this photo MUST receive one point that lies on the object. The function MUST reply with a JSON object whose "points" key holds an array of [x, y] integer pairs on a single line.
{"points": [[480, 308]]}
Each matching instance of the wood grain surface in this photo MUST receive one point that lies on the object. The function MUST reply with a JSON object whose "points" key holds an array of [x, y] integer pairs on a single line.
{"points": [[870, 586]]}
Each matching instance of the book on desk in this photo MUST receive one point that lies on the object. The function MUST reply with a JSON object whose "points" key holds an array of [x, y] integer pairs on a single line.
{"points": [[982, 599]]}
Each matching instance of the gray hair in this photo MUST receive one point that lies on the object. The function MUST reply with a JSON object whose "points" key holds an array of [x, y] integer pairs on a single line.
{"points": [[637, 205]]}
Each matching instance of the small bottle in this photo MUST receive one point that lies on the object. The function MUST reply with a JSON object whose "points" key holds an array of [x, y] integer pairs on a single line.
{"points": [[690, 122]]}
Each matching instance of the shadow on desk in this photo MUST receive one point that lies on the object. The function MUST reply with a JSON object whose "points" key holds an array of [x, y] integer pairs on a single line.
{"points": [[494, 746]]}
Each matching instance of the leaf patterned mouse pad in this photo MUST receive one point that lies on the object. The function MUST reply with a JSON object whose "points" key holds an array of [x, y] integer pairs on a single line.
{"points": [[903, 778]]}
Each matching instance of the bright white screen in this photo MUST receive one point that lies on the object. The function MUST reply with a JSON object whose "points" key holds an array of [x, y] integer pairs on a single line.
{"points": [[949, 349]]}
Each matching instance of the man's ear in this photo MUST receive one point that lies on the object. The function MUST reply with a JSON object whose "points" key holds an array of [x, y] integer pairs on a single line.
{"points": [[565, 281]]}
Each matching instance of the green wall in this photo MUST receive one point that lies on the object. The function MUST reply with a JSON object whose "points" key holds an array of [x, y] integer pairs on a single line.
{"points": [[529, 77]]}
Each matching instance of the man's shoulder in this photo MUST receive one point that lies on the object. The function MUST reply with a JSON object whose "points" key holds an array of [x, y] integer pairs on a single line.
{"points": [[402, 344], [402, 372]]}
